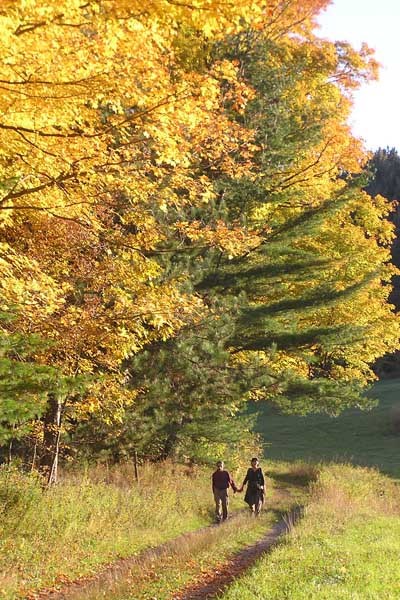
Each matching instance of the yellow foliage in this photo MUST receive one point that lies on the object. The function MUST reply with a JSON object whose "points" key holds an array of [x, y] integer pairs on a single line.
{"points": [[100, 126], [112, 118]]}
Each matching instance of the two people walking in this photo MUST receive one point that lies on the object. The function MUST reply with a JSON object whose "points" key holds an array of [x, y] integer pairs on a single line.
{"points": [[222, 481]]}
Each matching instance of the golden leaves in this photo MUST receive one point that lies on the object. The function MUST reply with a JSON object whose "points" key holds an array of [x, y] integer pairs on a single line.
{"points": [[234, 241], [108, 131]]}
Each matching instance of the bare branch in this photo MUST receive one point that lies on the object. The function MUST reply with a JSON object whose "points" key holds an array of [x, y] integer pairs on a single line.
{"points": [[282, 184], [32, 190], [77, 82], [25, 27]]}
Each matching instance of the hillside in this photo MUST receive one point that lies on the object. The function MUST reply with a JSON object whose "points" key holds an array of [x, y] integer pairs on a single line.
{"points": [[361, 437]]}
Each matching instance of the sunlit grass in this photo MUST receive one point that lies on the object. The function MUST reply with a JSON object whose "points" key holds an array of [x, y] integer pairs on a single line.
{"points": [[90, 519], [346, 547], [182, 562], [99, 515], [186, 560]]}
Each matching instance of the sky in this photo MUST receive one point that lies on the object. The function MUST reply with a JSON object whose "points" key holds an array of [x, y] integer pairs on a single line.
{"points": [[376, 114]]}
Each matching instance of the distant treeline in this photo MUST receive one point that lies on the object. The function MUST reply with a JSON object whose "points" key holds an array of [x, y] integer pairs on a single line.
{"points": [[384, 171]]}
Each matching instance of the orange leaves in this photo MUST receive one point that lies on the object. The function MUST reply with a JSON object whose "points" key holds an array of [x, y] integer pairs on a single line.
{"points": [[355, 66], [237, 93]]}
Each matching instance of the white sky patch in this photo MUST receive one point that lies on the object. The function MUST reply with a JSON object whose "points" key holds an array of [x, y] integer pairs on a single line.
{"points": [[376, 114]]}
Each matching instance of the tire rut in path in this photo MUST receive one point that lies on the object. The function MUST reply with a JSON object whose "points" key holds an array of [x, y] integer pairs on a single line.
{"points": [[213, 583], [116, 570], [92, 586]]}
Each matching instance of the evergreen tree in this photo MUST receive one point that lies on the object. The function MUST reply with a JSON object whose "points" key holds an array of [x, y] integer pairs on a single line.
{"points": [[187, 231], [24, 383], [384, 168], [384, 171], [317, 284], [27, 387], [192, 394], [299, 316]]}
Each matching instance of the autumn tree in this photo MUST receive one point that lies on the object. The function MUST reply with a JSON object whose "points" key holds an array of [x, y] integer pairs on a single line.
{"points": [[384, 180], [383, 170], [182, 216], [192, 399], [318, 283], [310, 281], [103, 131]]}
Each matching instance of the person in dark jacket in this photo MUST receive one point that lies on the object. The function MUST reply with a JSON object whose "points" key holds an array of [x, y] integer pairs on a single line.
{"points": [[221, 482], [255, 487]]}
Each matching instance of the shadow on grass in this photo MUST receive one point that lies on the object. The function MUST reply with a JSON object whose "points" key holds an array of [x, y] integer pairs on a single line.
{"points": [[362, 438], [278, 513], [297, 479]]}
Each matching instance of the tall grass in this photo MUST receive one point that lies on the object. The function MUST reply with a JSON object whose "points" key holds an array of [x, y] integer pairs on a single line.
{"points": [[191, 558], [90, 519], [351, 492], [97, 515]]}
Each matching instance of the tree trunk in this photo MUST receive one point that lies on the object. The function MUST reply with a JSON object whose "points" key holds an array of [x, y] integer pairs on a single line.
{"points": [[173, 437], [51, 439], [10, 445], [34, 456], [136, 466], [170, 442]]}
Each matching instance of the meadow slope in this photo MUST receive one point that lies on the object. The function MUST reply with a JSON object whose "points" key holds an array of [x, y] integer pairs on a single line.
{"points": [[361, 437]]}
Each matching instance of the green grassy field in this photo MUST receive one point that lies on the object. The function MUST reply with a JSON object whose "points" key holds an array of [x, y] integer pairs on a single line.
{"points": [[102, 515], [347, 545], [359, 437]]}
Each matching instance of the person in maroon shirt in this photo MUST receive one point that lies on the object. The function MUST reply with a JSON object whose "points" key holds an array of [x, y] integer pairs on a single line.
{"points": [[221, 482]]}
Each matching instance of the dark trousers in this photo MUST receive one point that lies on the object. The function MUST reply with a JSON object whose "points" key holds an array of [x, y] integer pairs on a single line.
{"points": [[255, 499]]}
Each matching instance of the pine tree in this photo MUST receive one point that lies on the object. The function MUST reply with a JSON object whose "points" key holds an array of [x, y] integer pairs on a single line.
{"points": [[384, 169], [24, 383], [188, 227], [191, 400], [317, 284]]}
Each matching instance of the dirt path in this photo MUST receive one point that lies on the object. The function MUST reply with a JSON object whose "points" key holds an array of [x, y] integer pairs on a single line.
{"points": [[141, 566], [110, 573], [210, 585]]}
